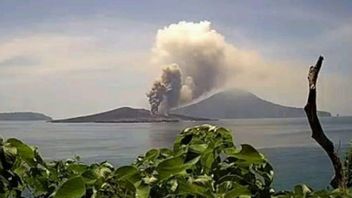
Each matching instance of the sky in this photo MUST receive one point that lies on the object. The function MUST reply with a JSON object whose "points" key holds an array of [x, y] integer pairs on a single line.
{"points": [[69, 58]]}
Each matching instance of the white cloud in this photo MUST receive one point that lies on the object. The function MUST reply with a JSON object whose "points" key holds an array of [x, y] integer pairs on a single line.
{"points": [[66, 75]]}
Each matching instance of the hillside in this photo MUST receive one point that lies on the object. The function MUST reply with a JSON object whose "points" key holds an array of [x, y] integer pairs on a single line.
{"points": [[130, 115], [23, 116], [240, 104]]}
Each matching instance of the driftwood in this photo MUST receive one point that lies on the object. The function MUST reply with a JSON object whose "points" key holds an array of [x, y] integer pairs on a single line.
{"points": [[317, 132]]}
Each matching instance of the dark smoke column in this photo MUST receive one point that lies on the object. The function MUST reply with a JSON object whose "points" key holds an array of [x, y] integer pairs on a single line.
{"points": [[166, 90], [155, 97]]}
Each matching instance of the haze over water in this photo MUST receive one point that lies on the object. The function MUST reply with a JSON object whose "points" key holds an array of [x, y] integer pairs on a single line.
{"points": [[296, 158]]}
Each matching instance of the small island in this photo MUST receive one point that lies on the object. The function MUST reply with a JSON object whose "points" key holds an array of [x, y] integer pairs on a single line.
{"points": [[130, 115], [24, 116]]}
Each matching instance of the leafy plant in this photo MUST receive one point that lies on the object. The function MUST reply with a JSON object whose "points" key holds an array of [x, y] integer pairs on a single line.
{"points": [[203, 162]]}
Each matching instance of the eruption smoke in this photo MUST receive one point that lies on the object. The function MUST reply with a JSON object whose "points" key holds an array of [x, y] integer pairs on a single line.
{"points": [[166, 90], [205, 62], [199, 65]]}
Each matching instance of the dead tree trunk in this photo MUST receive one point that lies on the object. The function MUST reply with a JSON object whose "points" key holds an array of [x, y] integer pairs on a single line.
{"points": [[317, 132]]}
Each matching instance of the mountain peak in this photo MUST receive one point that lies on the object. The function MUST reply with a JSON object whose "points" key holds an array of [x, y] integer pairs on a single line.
{"points": [[237, 103], [129, 114], [233, 93]]}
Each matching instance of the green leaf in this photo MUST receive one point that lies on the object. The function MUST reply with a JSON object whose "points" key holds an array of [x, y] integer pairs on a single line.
{"points": [[198, 148], [171, 167], [90, 176], [72, 188], [151, 155], [23, 150], [203, 179], [238, 191], [207, 160], [302, 190], [174, 166], [129, 173], [77, 168], [188, 188], [249, 155], [165, 152], [142, 191]]}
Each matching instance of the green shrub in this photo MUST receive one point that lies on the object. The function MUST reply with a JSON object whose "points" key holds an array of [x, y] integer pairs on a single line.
{"points": [[203, 162]]}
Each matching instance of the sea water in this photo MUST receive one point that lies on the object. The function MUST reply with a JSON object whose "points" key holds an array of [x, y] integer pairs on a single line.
{"points": [[287, 143]]}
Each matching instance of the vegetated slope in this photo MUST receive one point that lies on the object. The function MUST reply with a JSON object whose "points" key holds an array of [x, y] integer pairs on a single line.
{"points": [[128, 114], [23, 116], [237, 103]]}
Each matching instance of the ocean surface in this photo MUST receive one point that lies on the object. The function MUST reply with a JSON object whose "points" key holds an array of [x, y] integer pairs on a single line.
{"points": [[295, 156]]}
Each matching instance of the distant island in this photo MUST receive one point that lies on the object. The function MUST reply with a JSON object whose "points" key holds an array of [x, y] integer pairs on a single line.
{"points": [[24, 116], [130, 115], [228, 104], [237, 103]]}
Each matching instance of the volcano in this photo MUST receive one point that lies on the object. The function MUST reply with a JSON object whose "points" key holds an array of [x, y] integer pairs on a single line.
{"points": [[129, 115], [236, 103]]}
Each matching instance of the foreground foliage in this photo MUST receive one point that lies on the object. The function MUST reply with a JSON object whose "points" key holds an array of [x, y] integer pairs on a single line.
{"points": [[204, 162]]}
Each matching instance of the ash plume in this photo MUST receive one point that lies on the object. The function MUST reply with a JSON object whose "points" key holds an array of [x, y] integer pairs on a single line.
{"points": [[166, 90], [207, 63], [198, 55]]}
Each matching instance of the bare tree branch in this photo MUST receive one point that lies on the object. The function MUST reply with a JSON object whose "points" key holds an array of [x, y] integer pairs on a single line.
{"points": [[317, 132]]}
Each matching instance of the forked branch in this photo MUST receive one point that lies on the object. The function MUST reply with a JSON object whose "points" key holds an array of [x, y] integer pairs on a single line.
{"points": [[317, 131]]}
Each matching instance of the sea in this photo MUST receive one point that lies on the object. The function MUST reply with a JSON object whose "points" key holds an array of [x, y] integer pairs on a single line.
{"points": [[286, 142]]}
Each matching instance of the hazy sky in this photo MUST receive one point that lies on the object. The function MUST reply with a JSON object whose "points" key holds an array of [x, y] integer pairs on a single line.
{"points": [[67, 58]]}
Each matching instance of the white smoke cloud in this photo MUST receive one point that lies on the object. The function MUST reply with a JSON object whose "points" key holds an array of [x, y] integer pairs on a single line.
{"points": [[207, 63], [198, 50], [204, 58], [187, 88]]}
